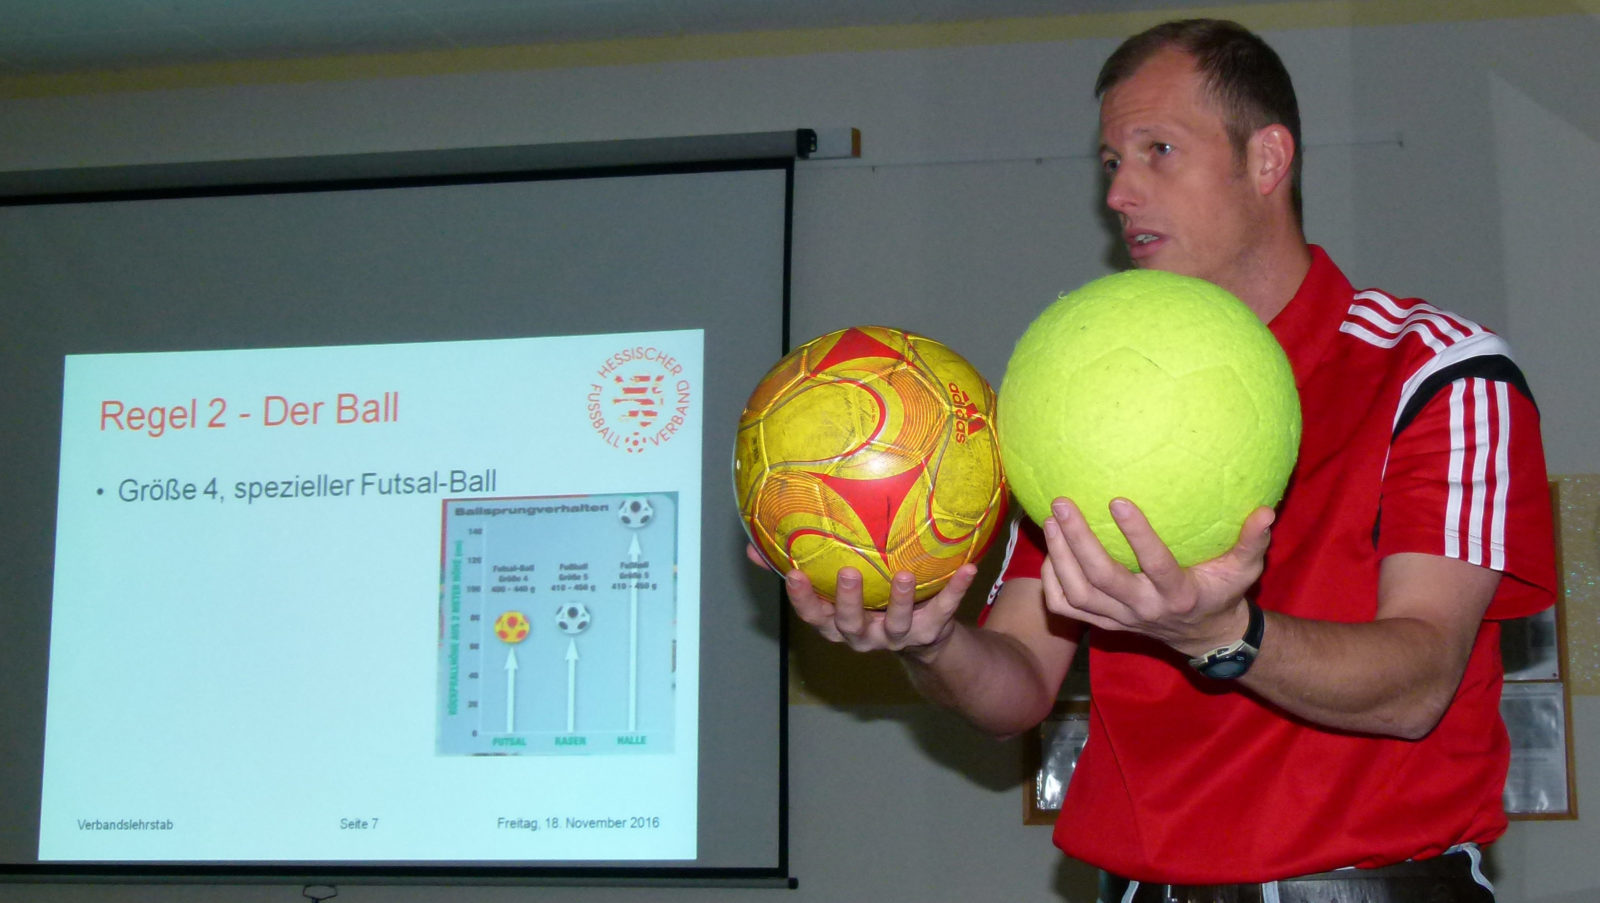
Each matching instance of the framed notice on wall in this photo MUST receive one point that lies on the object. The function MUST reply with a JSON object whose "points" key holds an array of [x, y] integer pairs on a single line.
{"points": [[1053, 750], [1536, 706]]}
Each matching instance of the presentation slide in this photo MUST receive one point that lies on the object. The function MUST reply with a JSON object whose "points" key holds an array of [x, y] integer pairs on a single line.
{"points": [[376, 603]]}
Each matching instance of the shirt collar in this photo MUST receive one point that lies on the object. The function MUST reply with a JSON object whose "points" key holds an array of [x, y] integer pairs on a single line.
{"points": [[1308, 324]]}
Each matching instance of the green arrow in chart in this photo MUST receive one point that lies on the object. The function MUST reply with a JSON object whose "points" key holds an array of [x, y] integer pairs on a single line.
{"points": [[633, 638], [511, 691], [572, 685]]}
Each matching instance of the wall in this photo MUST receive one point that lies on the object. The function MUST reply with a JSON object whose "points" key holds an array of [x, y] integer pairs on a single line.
{"points": [[1452, 160]]}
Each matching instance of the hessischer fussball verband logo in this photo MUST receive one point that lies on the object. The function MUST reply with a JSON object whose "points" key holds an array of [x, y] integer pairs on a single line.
{"points": [[639, 398]]}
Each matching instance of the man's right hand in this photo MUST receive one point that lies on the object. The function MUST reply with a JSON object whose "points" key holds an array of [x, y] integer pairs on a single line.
{"points": [[914, 628], [1003, 678]]}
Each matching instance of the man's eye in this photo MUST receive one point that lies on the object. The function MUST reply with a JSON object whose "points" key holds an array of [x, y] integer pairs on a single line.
{"points": [[1161, 148], [1109, 165]]}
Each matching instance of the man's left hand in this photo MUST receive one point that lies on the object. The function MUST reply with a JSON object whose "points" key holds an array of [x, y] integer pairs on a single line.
{"points": [[1193, 610]]}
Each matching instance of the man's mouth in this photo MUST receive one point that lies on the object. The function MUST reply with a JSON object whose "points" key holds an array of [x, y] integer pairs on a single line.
{"points": [[1142, 244]]}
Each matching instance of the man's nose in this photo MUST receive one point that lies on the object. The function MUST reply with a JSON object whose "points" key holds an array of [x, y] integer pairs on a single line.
{"points": [[1123, 194]]}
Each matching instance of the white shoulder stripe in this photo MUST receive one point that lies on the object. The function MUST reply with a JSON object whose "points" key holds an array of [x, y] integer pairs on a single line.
{"points": [[1483, 344], [1377, 319], [1434, 329], [1379, 307], [1011, 546], [1365, 334]]}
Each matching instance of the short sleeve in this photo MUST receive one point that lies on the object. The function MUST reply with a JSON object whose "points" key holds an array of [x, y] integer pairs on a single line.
{"points": [[1024, 558], [1466, 479]]}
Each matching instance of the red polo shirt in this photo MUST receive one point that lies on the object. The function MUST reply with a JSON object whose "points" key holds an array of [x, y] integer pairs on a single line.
{"points": [[1419, 436]]}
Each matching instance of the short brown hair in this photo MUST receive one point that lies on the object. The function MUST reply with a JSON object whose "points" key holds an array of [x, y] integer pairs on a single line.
{"points": [[1244, 75]]}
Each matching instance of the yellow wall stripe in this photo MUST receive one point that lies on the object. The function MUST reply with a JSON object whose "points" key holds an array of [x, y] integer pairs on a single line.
{"points": [[793, 42]]}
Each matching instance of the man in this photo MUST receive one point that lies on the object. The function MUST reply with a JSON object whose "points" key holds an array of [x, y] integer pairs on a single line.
{"points": [[1325, 694]]}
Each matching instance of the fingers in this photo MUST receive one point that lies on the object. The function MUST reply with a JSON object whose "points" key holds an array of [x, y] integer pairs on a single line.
{"points": [[1087, 572], [1063, 578], [902, 624], [1155, 559], [902, 604], [950, 597], [1163, 600], [934, 620], [1256, 534], [849, 615], [1098, 589], [809, 606], [906, 624], [1067, 591], [1055, 598]]}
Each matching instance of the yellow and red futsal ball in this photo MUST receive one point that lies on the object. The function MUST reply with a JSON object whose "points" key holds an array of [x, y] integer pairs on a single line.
{"points": [[512, 627], [873, 448]]}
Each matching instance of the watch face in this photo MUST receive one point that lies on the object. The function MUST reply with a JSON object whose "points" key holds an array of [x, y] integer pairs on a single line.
{"points": [[1227, 668]]}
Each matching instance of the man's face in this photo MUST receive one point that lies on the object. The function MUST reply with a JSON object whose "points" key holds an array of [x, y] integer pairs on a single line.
{"points": [[1184, 201]]}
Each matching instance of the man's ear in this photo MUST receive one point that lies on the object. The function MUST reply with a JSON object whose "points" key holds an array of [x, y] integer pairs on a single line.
{"points": [[1271, 158]]}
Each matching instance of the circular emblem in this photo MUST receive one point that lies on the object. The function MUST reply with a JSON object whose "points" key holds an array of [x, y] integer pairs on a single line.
{"points": [[639, 398]]}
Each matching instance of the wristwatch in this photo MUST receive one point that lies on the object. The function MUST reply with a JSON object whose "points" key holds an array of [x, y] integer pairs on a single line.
{"points": [[1231, 661]]}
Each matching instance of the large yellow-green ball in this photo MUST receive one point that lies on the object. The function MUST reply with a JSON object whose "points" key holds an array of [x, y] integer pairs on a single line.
{"points": [[1162, 389]]}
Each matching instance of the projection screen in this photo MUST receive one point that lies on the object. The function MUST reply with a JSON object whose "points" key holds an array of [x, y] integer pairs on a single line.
{"points": [[382, 528]]}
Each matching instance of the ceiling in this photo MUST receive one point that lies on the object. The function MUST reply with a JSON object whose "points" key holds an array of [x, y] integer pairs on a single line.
{"points": [[43, 37]]}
